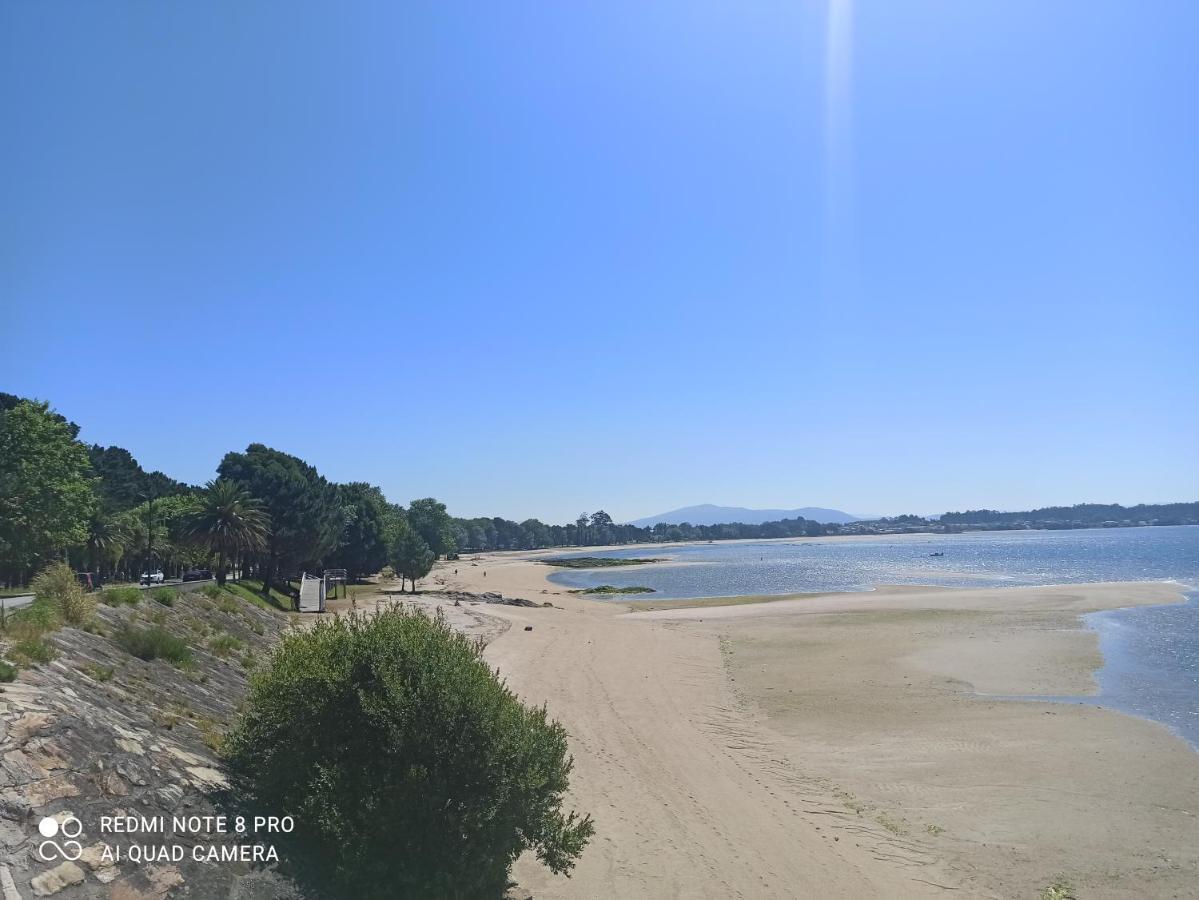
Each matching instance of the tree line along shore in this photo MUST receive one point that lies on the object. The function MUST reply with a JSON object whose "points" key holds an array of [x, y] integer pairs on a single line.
{"points": [[389, 716], [270, 515]]}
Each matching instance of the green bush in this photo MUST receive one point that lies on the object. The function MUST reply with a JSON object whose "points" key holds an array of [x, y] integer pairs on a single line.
{"points": [[100, 673], [227, 603], [224, 644], [395, 718], [164, 595], [155, 643], [57, 584], [212, 591], [35, 619], [120, 596], [8, 672], [32, 650], [25, 630]]}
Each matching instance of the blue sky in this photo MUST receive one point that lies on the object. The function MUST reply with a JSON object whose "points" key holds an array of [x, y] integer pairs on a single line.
{"points": [[540, 258]]}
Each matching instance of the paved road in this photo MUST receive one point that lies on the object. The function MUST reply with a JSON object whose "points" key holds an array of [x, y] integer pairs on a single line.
{"points": [[17, 602]]}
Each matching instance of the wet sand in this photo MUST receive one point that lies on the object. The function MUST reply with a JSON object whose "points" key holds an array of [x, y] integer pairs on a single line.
{"points": [[835, 745]]}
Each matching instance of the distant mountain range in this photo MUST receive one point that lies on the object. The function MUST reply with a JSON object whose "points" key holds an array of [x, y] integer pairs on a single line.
{"points": [[708, 514]]}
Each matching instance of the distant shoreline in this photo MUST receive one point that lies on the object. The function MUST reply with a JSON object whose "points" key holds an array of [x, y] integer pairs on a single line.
{"points": [[898, 536], [682, 588]]}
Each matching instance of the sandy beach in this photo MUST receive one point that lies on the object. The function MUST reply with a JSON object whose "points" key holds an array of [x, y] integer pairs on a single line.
{"points": [[842, 745]]}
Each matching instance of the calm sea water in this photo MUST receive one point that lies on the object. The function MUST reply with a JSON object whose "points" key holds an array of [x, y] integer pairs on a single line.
{"points": [[1151, 654], [992, 559]]}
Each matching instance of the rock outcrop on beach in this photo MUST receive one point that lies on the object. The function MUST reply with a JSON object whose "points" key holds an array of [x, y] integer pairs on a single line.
{"points": [[99, 732], [493, 597]]}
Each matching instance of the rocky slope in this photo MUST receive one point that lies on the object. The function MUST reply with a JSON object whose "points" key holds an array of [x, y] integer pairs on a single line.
{"points": [[97, 732]]}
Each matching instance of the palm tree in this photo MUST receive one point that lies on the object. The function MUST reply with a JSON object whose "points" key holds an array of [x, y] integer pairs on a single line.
{"points": [[227, 520], [106, 537]]}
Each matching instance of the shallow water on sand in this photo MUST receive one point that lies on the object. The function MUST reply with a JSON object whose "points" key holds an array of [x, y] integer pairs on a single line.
{"points": [[1151, 654], [991, 559], [1150, 665]]}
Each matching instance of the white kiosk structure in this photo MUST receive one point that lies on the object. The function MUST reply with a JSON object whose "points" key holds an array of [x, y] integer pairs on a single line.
{"points": [[312, 593]]}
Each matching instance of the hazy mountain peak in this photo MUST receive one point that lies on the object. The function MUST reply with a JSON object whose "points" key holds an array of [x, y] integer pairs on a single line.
{"points": [[711, 514]]}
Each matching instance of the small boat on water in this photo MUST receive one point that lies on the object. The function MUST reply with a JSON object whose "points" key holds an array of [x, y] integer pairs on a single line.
{"points": [[936, 554]]}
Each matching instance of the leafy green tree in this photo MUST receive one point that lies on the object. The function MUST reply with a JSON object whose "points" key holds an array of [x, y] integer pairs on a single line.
{"points": [[10, 401], [583, 529], [395, 520], [478, 538], [362, 545], [601, 519], [305, 516], [226, 521], [430, 520], [156, 534], [536, 534], [47, 489], [106, 538], [412, 557], [144, 535], [124, 483], [410, 768]]}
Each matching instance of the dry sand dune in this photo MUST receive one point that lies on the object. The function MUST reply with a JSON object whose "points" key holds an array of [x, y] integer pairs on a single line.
{"points": [[832, 746]]}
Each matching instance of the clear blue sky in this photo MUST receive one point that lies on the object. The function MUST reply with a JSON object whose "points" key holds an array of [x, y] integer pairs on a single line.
{"points": [[538, 258]]}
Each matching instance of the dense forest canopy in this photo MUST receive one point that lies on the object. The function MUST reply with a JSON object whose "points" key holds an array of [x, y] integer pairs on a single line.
{"points": [[124, 484], [271, 515], [598, 528], [1082, 515], [303, 508]]}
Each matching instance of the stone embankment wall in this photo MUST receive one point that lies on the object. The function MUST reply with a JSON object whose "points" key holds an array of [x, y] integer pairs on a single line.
{"points": [[97, 732]]}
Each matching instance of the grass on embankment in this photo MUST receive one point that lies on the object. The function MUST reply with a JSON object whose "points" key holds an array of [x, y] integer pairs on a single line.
{"points": [[121, 596], [155, 642], [142, 624], [249, 589], [595, 562]]}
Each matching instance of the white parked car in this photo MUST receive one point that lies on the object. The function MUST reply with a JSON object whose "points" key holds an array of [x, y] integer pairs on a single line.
{"points": [[154, 577]]}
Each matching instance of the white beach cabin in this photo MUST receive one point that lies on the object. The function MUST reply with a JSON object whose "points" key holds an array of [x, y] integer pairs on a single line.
{"points": [[312, 593]]}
